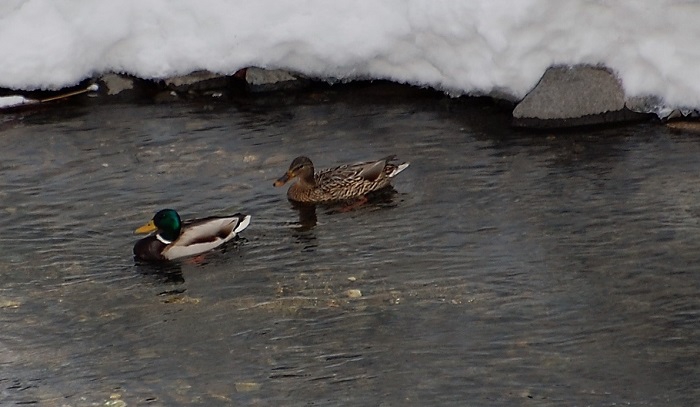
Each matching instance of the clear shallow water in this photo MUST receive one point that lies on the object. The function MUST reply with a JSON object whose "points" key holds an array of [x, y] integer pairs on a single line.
{"points": [[508, 269]]}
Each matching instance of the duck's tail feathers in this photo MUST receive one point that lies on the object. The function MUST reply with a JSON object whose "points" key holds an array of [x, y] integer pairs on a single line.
{"points": [[398, 169], [244, 221]]}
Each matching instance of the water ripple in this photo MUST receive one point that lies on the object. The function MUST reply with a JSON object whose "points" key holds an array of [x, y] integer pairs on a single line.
{"points": [[506, 269]]}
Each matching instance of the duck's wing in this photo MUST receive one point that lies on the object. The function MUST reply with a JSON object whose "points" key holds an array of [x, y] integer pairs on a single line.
{"points": [[352, 180], [333, 180], [370, 171], [351, 173], [201, 235]]}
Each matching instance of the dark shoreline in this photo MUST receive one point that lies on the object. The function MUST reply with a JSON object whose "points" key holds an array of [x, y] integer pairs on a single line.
{"points": [[566, 97]]}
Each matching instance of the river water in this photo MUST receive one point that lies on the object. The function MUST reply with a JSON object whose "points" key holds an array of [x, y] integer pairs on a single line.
{"points": [[507, 268]]}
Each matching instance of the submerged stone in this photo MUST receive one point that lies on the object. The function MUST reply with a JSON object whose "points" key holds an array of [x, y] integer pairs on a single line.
{"points": [[354, 293]]}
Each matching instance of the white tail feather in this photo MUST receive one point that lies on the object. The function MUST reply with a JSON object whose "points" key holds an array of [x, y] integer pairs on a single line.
{"points": [[244, 224], [398, 169]]}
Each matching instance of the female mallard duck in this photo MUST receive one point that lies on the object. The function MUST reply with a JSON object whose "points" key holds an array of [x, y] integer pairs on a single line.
{"points": [[174, 238], [341, 183]]}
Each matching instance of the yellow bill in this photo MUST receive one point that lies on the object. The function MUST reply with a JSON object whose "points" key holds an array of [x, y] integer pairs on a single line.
{"points": [[147, 228]]}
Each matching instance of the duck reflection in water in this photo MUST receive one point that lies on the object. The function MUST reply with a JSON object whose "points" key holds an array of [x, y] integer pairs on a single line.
{"points": [[307, 215], [383, 198], [162, 273]]}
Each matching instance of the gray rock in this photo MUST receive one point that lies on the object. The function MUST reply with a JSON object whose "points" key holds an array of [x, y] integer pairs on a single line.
{"points": [[269, 80], [123, 88], [656, 105], [574, 96], [198, 82], [116, 84]]}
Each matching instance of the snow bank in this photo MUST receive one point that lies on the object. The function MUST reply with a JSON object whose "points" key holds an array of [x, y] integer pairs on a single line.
{"points": [[462, 47]]}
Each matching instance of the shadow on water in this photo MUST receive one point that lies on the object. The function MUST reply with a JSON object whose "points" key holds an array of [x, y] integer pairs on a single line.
{"points": [[502, 268], [165, 273], [307, 215], [383, 198]]}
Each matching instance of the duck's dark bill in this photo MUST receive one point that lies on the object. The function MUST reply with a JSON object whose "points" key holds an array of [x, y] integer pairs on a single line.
{"points": [[282, 180], [147, 228]]}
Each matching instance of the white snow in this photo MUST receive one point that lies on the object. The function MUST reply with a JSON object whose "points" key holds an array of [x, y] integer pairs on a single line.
{"points": [[13, 101], [459, 46]]}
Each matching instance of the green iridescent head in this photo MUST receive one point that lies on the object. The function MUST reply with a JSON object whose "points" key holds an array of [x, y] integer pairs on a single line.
{"points": [[167, 222]]}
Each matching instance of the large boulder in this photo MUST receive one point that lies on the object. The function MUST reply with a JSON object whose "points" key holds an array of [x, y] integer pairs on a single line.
{"points": [[574, 96]]}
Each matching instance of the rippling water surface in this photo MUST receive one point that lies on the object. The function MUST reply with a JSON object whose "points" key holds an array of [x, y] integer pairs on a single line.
{"points": [[507, 269]]}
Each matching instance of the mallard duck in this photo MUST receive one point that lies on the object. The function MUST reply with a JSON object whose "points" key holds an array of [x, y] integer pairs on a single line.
{"points": [[341, 183], [174, 238]]}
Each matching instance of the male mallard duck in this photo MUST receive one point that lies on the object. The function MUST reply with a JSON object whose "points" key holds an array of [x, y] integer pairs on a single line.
{"points": [[174, 238], [341, 183]]}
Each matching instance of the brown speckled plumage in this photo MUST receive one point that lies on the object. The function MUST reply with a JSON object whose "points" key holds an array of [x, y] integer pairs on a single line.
{"points": [[340, 183]]}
